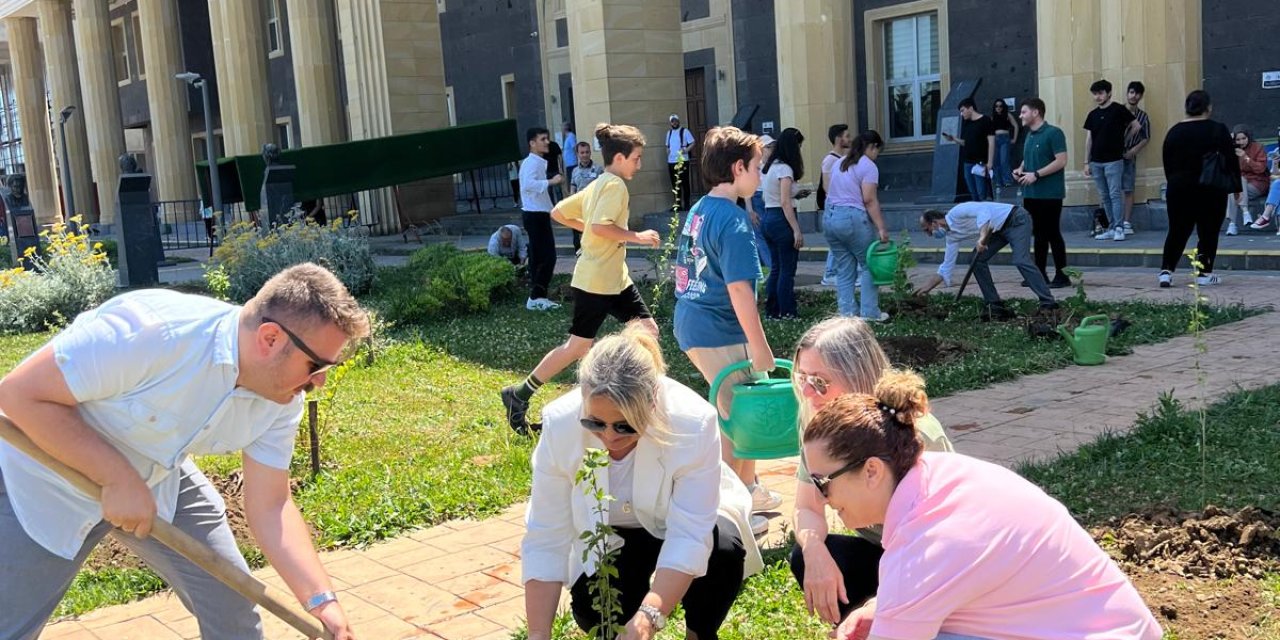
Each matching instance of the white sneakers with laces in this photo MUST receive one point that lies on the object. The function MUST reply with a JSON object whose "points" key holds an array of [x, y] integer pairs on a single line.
{"points": [[540, 304]]}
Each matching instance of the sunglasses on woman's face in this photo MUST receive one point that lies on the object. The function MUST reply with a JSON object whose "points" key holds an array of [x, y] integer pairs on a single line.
{"points": [[823, 483], [598, 426], [817, 383]]}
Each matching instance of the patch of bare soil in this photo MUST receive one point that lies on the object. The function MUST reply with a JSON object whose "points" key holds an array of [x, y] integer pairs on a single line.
{"points": [[110, 553], [917, 352], [913, 306], [1200, 572]]}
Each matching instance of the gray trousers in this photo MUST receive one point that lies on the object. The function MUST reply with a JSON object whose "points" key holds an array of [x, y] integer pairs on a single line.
{"points": [[33, 580], [1017, 234]]}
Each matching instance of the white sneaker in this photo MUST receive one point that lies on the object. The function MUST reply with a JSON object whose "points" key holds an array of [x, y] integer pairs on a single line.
{"points": [[1105, 235], [547, 304], [759, 525], [1117, 234], [1232, 229], [1208, 279], [1166, 279], [828, 281], [762, 499], [883, 317], [1128, 229], [1246, 218], [540, 304]]}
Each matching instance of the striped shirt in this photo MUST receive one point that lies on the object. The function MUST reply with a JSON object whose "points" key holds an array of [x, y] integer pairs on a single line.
{"points": [[1132, 138]]}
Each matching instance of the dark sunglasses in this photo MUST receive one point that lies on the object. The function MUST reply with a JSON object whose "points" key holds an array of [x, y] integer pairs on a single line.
{"points": [[598, 426], [318, 365], [823, 483]]}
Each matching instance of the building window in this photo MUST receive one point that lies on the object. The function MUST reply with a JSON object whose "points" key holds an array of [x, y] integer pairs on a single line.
{"points": [[137, 47], [562, 32], [284, 133], [912, 77], [509, 109], [275, 40], [119, 47]]}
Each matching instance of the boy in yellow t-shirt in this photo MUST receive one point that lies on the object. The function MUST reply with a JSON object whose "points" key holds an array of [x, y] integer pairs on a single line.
{"points": [[601, 284]]}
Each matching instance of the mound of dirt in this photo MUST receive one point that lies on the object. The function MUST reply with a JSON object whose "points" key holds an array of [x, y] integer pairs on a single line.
{"points": [[1215, 544], [916, 352]]}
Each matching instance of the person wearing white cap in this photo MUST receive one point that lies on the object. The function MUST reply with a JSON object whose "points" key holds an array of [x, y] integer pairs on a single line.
{"points": [[679, 142]]}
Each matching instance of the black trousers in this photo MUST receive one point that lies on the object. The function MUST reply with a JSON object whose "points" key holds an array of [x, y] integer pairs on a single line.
{"points": [[1202, 210], [706, 603], [859, 563], [542, 251], [684, 183], [1046, 226]]}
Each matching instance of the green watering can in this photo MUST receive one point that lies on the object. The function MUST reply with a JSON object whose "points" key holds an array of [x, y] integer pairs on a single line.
{"points": [[882, 261], [1089, 344], [762, 415]]}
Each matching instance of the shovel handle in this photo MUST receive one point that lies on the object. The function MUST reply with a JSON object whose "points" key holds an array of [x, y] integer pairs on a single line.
{"points": [[174, 538]]}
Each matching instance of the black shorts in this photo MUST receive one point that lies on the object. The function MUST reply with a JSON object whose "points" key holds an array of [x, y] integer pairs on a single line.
{"points": [[591, 309]]}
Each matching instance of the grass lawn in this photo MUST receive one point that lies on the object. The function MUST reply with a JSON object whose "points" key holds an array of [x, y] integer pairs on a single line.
{"points": [[418, 437]]}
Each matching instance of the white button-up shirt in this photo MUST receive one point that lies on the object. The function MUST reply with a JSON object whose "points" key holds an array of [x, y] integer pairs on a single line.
{"points": [[534, 184], [154, 373], [964, 221]]}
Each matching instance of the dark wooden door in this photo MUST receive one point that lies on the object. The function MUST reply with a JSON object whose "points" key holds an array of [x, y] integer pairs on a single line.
{"points": [[695, 92]]}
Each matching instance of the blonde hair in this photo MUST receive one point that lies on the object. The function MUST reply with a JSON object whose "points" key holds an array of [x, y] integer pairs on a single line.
{"points": [[306, 295], [848, 348], [627, 368], [881, 424]]}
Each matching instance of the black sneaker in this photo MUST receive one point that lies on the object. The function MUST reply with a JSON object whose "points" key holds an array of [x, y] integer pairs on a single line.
{"points": [[516, 408], [1060, 281]]}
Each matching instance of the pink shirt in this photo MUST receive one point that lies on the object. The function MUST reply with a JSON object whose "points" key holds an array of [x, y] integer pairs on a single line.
{"points": [[846, 186], [973, 549]]}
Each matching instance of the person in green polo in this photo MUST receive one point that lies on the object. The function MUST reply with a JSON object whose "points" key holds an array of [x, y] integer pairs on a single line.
{"points": [[1044, 156]]}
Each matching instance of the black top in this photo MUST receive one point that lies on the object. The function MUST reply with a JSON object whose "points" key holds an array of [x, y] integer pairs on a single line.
{"points": [[974, 133], [1185, 147], [1107, 126], [553, 160], [1000, 123]]}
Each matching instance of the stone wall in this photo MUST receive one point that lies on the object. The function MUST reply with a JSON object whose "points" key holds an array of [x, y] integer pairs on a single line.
{"points": [[755, 50], [485, 40], [1241, 40]]}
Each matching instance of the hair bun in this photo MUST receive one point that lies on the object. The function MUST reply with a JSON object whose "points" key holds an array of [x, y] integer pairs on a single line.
{"points": [[900, 393], [638, 332]]}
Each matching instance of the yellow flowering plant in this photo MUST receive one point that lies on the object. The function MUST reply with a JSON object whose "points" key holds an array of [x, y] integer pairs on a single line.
{"points": [[67, 276]]}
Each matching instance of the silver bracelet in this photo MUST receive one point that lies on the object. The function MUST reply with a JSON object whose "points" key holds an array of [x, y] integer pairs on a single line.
{"points": [[319, 600]]}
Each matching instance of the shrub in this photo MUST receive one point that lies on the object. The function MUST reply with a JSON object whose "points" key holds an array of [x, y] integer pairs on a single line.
{"points": [[442, 280], [6, 260], [70, 277], [249, 258]]}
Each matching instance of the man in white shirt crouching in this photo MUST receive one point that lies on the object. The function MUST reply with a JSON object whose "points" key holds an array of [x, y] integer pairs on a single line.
{"points": [[126, 395]]}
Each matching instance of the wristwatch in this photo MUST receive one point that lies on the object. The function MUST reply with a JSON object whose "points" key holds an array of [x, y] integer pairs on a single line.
{"points": [[1036, 173], [319, 599], [654, 615]]}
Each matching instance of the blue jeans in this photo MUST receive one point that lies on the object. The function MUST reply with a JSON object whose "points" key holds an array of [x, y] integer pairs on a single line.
{"points": [[1109, 177], [780, 288], [849, 232], [762, 247], [1002, 173], [1273, 196], [977, 184]]}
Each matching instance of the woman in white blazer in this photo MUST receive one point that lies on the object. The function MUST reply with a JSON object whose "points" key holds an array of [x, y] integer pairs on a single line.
{"points": [[681, 517]]}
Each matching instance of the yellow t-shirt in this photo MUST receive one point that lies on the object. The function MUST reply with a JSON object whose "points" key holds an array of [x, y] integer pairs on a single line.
{"points": [[602, 267]]}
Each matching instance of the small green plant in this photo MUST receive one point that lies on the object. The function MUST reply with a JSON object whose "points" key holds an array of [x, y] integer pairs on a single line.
{"points": [[1196, 327], [902, 287], [662, 283], [605, 598], [217, 282], [6, 258], [1076, 301], [442, 281]]}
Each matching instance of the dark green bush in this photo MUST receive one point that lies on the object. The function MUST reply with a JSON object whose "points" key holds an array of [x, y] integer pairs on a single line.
{"points": [[442, 281]]}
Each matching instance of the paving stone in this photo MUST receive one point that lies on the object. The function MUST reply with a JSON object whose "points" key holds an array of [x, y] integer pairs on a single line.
{"points": [[412, 600], [137, 628], [467, 627]]}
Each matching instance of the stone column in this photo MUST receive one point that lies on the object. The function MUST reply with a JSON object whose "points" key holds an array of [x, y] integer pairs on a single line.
{"points": [[313, 39], [394, 70], [101, 97], [816, 77], [242, 76], [1080, 41], [33, 114], [61, 69], [174, 167], [628, 68]]}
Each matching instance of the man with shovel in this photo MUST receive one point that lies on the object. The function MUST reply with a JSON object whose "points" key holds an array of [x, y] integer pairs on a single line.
{"points": [[993, 224], [125, 395]]}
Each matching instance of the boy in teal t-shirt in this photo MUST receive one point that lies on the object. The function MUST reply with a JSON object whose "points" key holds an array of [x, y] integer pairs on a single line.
{"points": [[717, 321]]}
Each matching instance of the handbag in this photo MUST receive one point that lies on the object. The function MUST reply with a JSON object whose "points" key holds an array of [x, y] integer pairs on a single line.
{"points": [[1214, 173]]}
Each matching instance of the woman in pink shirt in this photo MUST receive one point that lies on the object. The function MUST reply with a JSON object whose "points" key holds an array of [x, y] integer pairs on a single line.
{"points": [[971, 549]]}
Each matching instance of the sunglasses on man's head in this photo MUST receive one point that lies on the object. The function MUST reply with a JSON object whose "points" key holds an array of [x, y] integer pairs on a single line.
{"points": [[598, 426], [823, 482], [318, 365]]}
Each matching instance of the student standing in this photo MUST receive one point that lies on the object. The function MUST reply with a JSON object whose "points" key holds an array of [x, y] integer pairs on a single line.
{"points": [[977, 141], [1006, 129], [1044, 157], [840, 139], [1135, 140], [535, 203], [852, 222], [1106, 127], [781, 227]]}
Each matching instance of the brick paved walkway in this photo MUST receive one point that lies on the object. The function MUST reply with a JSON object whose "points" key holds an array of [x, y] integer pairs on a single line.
{"points": [[460, 580]]}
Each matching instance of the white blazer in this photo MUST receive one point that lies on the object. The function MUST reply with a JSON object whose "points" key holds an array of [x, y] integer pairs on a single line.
{"points": [[680, 489]]}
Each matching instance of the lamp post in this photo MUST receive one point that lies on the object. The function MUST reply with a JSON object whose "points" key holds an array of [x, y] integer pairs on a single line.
{"points": [[215, 185], [68, 194]]}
